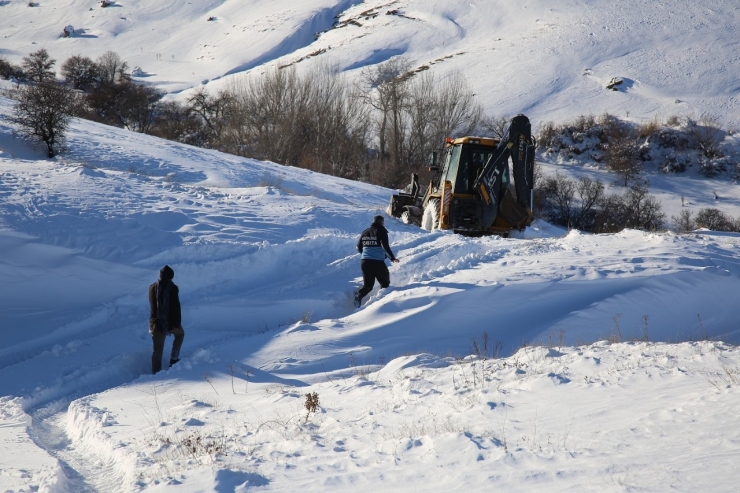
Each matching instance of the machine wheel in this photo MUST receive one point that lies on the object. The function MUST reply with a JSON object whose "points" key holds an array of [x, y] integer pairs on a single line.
{"points": [[430, 219], [406, 217]]}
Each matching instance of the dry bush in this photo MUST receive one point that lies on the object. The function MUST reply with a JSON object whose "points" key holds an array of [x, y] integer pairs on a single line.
{"points": [[547, 137], [573, 203], [635, 209], [707, 133], [123, 104], [716, 220], [620, 148], [648, 130], [311, 405], [711, 167], [176, 122], [10, 71], [674, 121], [684, 221]]}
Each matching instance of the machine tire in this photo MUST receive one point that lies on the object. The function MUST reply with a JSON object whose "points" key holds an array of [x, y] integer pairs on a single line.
{"points": [[406, 217], [430, 219]]}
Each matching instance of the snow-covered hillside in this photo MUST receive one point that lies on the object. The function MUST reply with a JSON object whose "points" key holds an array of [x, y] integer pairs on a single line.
{"points": [[549, 361], [265, 258], [549, 61]]}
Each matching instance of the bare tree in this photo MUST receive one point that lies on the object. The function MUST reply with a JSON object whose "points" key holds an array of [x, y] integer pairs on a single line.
{"points": [[684, 222], [644, 210], [636, 208], [212, 111], [314, 121], [112, 68], [138, 107], [80, 72], [496, 126], [38, 66], [43, 112], [559, 196], [175, 121], [457, 112], [267, 119], [387, 90], [423, 134], [126, 104], [338, 123]]}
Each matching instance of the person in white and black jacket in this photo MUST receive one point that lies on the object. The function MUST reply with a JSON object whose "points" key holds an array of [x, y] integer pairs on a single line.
{"points": [[373, 245], [165, 317]]}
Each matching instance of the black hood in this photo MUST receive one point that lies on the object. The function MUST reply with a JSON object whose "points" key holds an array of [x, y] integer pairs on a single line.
{"points": [[166, 273]]}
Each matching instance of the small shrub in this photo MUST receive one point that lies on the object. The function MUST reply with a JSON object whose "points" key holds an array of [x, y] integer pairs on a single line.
{"points": [[648, 130], [636, 209], [620, 148], [715, 220], [707, 134], [669, 138], [673, 121], [10, 71], [311, 404], [547, 137], [570, 203], [684, 222], [674, 163], [711, 167]]}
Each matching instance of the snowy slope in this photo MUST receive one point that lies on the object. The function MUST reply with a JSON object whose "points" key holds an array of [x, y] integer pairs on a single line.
{"points": [[548, 61], [604, 362], [264, 256]]}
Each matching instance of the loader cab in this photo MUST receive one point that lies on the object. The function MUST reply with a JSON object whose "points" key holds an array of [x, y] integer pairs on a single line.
{"points": [[462, 161]]}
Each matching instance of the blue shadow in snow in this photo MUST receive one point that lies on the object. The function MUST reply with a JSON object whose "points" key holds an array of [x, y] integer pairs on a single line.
{"points": [[228, 480], [303, 36], [378, 56]]}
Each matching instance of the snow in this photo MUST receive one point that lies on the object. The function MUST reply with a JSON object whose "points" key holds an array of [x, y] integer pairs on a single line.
{"points": [[549, 361], [549, 62]]}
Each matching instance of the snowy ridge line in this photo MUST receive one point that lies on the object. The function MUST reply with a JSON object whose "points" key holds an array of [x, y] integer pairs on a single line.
{"points": [[302, 36], [447, 255]]}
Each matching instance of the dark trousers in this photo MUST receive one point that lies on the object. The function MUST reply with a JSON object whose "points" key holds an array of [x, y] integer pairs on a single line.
{"points": [[158, 338], [372, 270]]}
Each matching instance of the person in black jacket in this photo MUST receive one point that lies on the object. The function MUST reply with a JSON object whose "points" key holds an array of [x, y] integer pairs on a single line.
{"points": [[165, 317], [373, 245]]}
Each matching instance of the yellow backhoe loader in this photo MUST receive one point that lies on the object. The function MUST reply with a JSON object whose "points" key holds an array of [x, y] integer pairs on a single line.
{"points": [[471, 191]]}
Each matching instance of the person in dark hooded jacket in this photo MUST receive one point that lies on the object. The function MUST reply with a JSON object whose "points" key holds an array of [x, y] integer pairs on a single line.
{"points": [[165, 317], [373, 245]]}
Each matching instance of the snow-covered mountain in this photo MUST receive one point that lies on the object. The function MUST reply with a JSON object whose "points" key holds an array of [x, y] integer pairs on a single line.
{"points": [[599, 362], [549, 61]]}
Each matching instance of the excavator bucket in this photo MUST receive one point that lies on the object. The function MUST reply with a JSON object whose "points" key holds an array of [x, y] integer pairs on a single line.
{"points": [[517, 144]]}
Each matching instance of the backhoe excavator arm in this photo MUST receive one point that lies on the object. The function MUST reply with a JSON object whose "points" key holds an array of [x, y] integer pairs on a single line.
{"points": [[517, 144]]}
